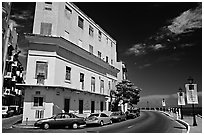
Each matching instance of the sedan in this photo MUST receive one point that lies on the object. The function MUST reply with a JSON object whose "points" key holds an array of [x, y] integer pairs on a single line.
{"points": [[61, 120], [118, 116], [98, 119]]}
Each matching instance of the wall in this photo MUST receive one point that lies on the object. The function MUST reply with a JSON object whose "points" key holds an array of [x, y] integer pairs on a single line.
{"points": [[54, 102], [61, 24]]}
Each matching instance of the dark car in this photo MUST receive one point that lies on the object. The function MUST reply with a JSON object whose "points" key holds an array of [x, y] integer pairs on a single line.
{"points": [[61, 120], [118, 116], [132, 113]]}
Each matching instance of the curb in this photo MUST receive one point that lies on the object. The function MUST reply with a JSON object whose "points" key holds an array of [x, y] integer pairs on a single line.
{"points": [[23, 126], [180, 121], [185, 124]]}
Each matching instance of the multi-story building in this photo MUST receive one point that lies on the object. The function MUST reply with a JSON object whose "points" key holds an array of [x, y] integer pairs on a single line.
{"points": [[72, 63], [12, 70]]}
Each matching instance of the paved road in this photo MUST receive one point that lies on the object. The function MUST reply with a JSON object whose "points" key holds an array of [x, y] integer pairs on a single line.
{"points": [[148, 122], [8, 122]]}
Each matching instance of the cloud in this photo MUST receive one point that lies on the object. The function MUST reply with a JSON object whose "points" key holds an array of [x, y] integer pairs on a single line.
{"points": [[144, 66], [171, 100], [137, 49], [187, 21], [23, 15], [157, 46], [171, 36]]}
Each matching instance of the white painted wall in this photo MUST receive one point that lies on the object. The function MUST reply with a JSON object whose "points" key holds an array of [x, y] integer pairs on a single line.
{"points": [[60, 24]]}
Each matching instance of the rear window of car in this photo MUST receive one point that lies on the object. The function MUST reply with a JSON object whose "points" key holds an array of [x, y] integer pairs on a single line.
{"points": [[96, 115]]}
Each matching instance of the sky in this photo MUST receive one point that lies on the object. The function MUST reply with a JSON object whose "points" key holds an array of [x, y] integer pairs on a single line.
{"points": [[160, 42]]}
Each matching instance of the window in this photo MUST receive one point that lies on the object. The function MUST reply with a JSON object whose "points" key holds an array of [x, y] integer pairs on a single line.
{"points": [[68, 12], [48, 5], [91, 30], [46, 28], [111, 44], [99, 54], [82, 81], [80, 22], [99, 35], [111, 61], [109, 85], [92, 84], [102, 86], [80, 43], [106, 40], [38, 101], [39, 114], [91, 49], [107, 59], [68, 74], [41, 69]]}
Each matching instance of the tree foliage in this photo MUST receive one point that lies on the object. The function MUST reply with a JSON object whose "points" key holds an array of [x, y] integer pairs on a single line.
{"points": [[126, 92]]}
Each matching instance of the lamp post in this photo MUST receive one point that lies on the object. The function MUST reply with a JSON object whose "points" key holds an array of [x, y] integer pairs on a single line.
{"points": [[147, 105], [180, 94], [190, 80]]}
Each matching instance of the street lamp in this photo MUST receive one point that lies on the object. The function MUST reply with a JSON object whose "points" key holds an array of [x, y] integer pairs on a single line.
{"points": [[147, 105], [190, 80], [180, 94]]}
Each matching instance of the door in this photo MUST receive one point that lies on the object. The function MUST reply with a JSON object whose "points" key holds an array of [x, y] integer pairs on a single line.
{"points": [[92, 106], [80, 106], [66, 105], [101, 106]]}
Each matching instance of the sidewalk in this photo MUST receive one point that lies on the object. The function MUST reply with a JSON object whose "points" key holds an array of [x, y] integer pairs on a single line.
{"points": [[194, 129], [188, 122]]}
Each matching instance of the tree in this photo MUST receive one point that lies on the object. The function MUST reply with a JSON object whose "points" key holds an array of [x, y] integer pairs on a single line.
{"points": [[126, 92]]}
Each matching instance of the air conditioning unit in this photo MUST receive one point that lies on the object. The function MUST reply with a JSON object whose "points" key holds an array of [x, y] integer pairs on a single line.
{"points": [[8, 75], [7, 92], [18, 73], [40, 79], [15, 64], [14, 78]]}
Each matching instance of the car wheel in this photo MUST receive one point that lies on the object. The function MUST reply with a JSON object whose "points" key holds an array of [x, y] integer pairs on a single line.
{"points": [[74, 125], [101, 123], [46, 126]]}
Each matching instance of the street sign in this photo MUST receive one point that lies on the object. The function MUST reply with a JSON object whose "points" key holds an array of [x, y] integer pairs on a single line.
{"points": [[163, 102], [181, 98], [191, 93]]}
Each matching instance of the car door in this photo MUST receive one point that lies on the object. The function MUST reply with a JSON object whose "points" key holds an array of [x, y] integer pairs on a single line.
{"points": [[105, 118], [58, 120]]}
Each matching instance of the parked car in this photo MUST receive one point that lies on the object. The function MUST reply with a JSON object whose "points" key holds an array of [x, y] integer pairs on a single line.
{"points": [[7, 111], [61, 120], [118, 116], [15, 109], [132, 113], [98, 119]]}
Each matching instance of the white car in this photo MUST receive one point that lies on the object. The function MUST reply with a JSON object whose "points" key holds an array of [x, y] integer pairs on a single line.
{"points": [[6, 111], [98, 119]]}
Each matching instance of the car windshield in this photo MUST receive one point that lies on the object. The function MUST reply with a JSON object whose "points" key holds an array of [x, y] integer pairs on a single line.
{"points": [[96, 115]]}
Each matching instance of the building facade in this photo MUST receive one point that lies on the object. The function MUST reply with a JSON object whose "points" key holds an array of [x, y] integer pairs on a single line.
{"points": [[72, 63], [12, 70]]}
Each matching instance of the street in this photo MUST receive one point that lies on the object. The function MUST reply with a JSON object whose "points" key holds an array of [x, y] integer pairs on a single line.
{"points": [[148, 122]]}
